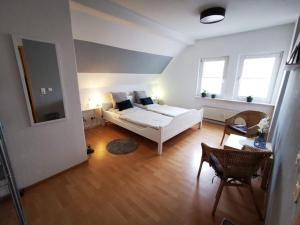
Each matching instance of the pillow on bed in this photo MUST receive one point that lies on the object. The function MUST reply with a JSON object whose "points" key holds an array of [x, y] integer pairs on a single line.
{"points": [[124, 105], [118, 97], [146, 101], [138, 95]]}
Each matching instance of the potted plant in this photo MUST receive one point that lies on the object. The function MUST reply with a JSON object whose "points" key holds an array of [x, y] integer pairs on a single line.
{"points": [[213, 95], [263, 129], [249, 99], [204, 93]]}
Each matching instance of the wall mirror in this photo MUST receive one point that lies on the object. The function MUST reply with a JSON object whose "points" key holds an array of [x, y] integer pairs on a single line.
{"points": [[40, 75]]}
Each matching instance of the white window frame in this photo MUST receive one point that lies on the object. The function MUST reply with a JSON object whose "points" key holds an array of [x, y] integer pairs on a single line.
{"points": [[274, 76], [200, 74]]}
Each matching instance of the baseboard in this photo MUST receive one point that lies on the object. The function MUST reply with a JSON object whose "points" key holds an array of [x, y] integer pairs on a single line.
{"points": [[214, 121]]}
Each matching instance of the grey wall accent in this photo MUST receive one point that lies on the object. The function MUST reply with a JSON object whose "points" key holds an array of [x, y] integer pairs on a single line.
{"points": [[41, 59], [97, 58]]}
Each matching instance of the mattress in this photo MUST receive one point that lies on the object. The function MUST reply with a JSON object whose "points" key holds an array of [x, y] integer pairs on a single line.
{"points": [[142, 117], [166, 110]]}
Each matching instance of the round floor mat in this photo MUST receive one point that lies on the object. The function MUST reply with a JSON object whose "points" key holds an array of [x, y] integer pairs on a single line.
{"points": [[122, 146]]}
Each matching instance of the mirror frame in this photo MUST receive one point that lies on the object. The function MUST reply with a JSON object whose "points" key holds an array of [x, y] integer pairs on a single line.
{"points": [[16, 41]]}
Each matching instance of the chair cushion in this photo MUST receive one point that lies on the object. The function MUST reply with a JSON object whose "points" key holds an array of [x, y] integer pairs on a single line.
{"points": [[146, 101], [124, 105], [216, 165], [239, 128]]}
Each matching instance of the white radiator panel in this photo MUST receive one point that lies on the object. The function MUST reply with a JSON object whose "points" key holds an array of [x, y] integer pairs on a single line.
{"points": [[218, 114]]}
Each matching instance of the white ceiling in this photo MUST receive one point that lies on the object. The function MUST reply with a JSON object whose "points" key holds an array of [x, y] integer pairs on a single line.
{"points": [[179, 20], [182, 16]]}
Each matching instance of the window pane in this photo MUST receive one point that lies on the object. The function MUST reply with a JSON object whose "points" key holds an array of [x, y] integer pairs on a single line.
{"points": [[213, 68], [254, 87], [258, 67], [212, 85]]}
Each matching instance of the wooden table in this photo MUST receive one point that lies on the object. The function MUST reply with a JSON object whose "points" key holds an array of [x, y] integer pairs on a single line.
{"points": [[237, 142]]}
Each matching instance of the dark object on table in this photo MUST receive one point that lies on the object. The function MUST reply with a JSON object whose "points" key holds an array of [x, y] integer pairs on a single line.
{"points": [[226, 222], [251, 118], [249, 99], [89, 150], [213, 95], [234, 168], [260, 141], [122, 146], [204, 94]]}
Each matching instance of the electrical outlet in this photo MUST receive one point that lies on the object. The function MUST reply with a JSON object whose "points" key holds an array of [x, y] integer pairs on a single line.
{"points": [[43, 91]]}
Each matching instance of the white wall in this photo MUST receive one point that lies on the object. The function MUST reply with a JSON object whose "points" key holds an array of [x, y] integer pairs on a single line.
{"points": [[41, 151], [94, 88], [179, 80]]}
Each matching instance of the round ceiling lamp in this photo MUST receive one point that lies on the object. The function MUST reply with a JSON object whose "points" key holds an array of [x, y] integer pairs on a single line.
{"points": [[212, 15]]}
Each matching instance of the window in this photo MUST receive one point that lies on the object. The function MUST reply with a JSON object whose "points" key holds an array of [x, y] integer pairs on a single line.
{"points": [[211, 75], [257, 76]]}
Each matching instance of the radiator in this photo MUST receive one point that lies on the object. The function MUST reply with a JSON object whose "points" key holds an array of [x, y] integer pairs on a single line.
{"points": [[218, 114]]}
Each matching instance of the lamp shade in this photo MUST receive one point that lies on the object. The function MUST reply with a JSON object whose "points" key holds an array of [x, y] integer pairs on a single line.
{"points": [[212, 15]]}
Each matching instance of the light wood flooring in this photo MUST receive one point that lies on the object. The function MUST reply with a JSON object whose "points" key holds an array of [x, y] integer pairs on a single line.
{"points": [[140, 188]]}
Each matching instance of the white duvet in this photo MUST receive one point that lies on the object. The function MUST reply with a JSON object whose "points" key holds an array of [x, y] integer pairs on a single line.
{"points": [[143, 117], [165, 109]]}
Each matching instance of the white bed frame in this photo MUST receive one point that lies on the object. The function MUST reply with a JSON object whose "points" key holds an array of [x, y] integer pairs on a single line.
{"points": [[177, 125]]}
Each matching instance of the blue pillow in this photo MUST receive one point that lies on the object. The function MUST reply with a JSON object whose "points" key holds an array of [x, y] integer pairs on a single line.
{"points": [[146, 101], [124, 105]]}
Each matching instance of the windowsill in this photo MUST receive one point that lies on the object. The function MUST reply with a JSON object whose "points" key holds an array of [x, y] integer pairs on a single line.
{"points": [[233, 101]]}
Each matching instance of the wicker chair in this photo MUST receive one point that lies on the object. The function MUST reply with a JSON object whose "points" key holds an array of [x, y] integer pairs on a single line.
{"points": [[234, 168], [251, 118]]}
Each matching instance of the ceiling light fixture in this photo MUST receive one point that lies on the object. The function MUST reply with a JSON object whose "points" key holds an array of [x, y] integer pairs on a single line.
{"points": [[212, 15]]}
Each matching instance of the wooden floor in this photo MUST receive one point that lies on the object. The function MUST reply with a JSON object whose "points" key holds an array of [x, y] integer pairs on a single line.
{"points": [[139, 188]]}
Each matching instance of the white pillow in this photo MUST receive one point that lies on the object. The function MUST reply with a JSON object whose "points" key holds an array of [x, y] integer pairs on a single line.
{"points": [[138, 95]]}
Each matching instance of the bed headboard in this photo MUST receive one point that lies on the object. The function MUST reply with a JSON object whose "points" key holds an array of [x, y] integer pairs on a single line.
{"points": [[106, 106]]}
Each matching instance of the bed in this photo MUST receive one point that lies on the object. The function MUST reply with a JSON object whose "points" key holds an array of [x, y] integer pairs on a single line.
{"points": [[159, 133], [166, 110]]}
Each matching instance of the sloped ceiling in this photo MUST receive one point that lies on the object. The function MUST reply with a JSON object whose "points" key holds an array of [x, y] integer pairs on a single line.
{"points": [[107, 23]]}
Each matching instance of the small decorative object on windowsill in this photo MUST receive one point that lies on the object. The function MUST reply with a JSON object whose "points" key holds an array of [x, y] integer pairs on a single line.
{"points": [[204, 94], [263, 128], [213, 95], [89, 150], [249, 99]]}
